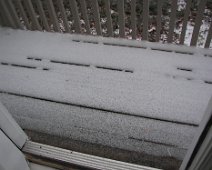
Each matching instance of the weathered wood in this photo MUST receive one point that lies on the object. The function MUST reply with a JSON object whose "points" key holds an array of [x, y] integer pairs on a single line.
{"points": [[23, 14], [6, 14], [74, 10], [185, 21], [14, 14], [172, 21], [32, 14], [121, 21], [133, 19], [63, 14], [95, 8], [85, 16], [53, 15], [42, 15], [208, 40], [159, 15], [145, 19], [109, 20], [198, 22]]}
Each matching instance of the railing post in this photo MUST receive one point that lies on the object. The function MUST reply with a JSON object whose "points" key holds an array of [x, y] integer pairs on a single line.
{"points": [[95, 9], [32, 15], [133, 18], [145, 19], [23, 14], [14, 14], [185, 21], [172, 21], [85, 16], [53, 15], [74, 10], [159, 15], [121, 18], [6, 14], [208, 40], [198, 22], [42, 15], [109, 20]]}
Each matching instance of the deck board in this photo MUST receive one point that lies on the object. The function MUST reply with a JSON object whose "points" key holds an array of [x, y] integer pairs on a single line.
{"points": [[168, 89]]}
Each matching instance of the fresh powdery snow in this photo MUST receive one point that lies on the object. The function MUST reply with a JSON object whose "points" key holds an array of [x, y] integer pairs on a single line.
{"points": [[150, 83]]}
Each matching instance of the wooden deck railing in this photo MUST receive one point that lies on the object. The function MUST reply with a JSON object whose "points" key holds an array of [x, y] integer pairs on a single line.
{"points": [[74, 16]]}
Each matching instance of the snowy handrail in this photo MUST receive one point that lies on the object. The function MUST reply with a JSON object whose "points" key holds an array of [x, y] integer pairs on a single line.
{"points": [[54, 15]]}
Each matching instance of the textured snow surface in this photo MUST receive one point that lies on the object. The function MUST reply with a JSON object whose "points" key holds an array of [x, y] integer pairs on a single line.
{"points": [[156, 84]]}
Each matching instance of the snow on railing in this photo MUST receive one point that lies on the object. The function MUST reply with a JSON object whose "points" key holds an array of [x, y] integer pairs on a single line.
{"points": [[97, 17]]}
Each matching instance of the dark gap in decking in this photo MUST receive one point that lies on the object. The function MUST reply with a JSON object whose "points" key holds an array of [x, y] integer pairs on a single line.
{"points": [[123, 45], [208, 55], [102, 109], [92, 42], [164, 50], [17, 65], [34, 58], [153, 142], [69, 63], [109, 68], [183, 52], [208, 82], [184, 69]]}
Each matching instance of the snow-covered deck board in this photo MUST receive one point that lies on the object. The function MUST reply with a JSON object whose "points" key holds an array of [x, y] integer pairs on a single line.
{"points": [[136, 99], [142, 82]]}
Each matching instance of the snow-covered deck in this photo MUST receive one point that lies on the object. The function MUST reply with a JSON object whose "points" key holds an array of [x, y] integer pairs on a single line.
{"points": [[136, 96]]}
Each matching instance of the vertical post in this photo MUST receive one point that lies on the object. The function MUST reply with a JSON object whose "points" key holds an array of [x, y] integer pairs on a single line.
{"points": [[14, 14], [159, 14], [198, 22], [109, 20], [172, 21], [185, 21], [74, 10], [42, 15], [145, 19], [208, 40], [121, 18], [6, 13], [23, 14], [53, 15], [95, 8], [32, 15], [133, 18], [85, 16]]}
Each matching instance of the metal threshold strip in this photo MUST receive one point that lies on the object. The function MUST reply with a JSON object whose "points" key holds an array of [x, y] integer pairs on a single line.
{"points": [[79, 159]]}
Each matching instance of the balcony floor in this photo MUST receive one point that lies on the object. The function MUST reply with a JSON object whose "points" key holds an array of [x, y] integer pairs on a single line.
{"points": [[93, 90]]}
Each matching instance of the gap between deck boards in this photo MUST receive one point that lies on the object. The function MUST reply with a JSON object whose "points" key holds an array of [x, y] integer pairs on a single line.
{"points": [[101, 109]]}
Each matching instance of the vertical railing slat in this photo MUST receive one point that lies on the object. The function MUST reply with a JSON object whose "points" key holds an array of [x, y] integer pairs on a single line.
{"points": [[14, 14], [23, 14], [209, 36], [53, 16], [109, 20], [159, 15], [6, 14], [42, 15], [85, 16], [133, 19], [32, 15], [95, 9], [185, 21], [63, 14], [121, 18], [74, 10], [198, 22], [145, 19], [172, 21]]}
